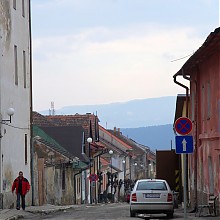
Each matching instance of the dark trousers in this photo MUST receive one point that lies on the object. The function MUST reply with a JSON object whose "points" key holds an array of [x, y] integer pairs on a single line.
{"points": [[19, 196]]}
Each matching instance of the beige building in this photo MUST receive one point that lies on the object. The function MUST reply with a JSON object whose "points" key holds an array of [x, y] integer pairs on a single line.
{"points": [[15, 96]]}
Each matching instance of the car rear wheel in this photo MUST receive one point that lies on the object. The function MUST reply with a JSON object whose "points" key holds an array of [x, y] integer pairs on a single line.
{"points": [[170, 215], [132, 213]]}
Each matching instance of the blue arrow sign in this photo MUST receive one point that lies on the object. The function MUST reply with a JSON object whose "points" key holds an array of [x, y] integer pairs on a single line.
{"points": [[184, 144]]}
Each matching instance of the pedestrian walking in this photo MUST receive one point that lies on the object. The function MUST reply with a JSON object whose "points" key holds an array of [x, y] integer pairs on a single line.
{"points": [[22, 186]]}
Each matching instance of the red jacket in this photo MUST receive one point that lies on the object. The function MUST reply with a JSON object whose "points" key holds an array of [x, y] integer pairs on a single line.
{"points": [[25, 185]]}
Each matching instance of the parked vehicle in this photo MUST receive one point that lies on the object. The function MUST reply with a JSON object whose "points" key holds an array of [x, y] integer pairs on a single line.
{"points": [[152, 196], [127, 196]]}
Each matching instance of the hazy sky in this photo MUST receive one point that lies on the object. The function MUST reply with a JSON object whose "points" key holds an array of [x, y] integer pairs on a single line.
{"points": [[102, 51]]}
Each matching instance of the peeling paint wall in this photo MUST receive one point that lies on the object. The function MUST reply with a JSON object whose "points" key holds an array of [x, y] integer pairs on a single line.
{"points": [[5, 23], [48, 178], [14, 33], [207, 93], [54, 192]]}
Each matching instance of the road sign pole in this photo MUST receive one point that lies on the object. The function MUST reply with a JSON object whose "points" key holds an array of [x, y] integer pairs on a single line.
{"points": [[185, 194]]}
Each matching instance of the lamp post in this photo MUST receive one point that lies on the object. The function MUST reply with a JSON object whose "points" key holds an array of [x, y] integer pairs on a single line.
{"points": [[150, 170], [10, 112], [135, 164], [111, 152], [89, 140], [124, 164]]}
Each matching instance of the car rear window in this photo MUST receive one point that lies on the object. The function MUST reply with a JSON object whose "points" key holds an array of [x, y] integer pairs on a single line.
{"points": [[151, 185]]}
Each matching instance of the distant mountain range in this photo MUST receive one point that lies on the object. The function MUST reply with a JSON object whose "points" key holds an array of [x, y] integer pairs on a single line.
{"points": [[147, 121], [131, 114], [159, 137]]}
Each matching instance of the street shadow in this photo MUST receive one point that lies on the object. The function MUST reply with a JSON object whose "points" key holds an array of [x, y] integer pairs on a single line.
{"points": [[152, 216], [156, 216]]}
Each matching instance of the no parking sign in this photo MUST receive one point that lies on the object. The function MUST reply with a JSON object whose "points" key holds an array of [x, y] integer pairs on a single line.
{"points": [[93, 177], [183, 126]]}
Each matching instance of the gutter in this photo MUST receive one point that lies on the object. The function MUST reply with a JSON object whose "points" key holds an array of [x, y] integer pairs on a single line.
{"points": [[187, 90], [31, 111], [196, 135], [184, 155]]}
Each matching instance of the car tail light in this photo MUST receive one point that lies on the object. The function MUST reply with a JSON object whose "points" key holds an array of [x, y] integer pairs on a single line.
{"points": [[169, 197], [134, 197]]}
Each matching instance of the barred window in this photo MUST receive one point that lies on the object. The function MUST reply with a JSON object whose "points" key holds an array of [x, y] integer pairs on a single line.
{"points": [[24, 69], [16, 64], [63, 179], [14, 4]]}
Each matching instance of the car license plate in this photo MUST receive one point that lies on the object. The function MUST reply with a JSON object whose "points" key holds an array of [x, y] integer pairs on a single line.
{"points": [[152, 195]]}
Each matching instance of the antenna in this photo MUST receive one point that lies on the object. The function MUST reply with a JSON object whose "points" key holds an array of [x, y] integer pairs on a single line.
{"points": [[52, 110]]}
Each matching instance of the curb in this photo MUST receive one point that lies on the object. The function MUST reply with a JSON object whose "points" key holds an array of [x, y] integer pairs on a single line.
{"points": [[15, 217]]}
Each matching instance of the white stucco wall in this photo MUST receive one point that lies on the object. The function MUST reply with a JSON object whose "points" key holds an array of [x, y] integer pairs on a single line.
{"points": [[14, 30]]}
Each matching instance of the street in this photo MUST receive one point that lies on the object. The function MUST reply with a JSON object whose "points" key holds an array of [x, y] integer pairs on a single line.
{"points": [[117, 211]]}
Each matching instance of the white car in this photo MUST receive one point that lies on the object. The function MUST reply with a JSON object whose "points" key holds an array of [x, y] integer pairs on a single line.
{"points": [[152, 196]]}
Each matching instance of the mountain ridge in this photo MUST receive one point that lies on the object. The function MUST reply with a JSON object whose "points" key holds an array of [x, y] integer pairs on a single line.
{"points": [[146, 121], [131, 114]]}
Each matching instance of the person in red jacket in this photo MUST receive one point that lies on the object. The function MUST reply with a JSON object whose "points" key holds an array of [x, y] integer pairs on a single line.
{"points": [[22, 186]]}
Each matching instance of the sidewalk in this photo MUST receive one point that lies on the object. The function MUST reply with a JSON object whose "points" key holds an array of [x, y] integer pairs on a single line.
{"points": [[191, 216], [11, 214]]}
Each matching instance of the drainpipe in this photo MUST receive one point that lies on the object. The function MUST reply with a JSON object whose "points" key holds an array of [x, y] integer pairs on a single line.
{"points": [[31, 111], [187, 91], [196, 135], [184, 155]]}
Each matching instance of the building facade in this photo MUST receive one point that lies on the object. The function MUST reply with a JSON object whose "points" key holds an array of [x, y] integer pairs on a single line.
{"points": [[202, 72], [15, 96]]}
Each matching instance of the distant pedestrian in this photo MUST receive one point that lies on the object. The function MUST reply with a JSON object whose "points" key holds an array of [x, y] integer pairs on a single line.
{"points": [[22, 186]]}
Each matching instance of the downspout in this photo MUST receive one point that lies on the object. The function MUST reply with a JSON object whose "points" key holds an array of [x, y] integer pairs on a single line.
{"points": [[184, 156], [196, 137], [31, 111], [187, 91]]}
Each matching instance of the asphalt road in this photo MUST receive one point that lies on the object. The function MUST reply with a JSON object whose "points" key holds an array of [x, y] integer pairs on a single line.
{"points": [[115, 211]]}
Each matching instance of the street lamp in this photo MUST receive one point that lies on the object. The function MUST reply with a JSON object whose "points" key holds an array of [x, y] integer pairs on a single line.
{"points": [[10, 112], [124, 164], [150, 169], [128, 151], [135, 169], [89, 140], [111, 152]]}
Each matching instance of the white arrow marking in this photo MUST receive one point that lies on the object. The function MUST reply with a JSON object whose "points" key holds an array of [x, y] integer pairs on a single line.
{"points": [[184, 144]]}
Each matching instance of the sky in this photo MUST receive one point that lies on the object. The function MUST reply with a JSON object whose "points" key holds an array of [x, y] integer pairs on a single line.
{"points": [[89, 52]]}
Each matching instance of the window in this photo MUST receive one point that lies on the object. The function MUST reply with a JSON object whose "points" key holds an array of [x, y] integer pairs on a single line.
{"points": [[25, 148], [203, 102], [211, 175], [208, 100], [78, 191], [24, 69], [23, 14], [14, 4], [151, 185], [63, 179], [16, 64], [193, 106]]}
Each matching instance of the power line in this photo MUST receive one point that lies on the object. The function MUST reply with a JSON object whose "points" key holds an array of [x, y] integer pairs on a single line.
{"points": [[182, 58], [16, 127]]}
